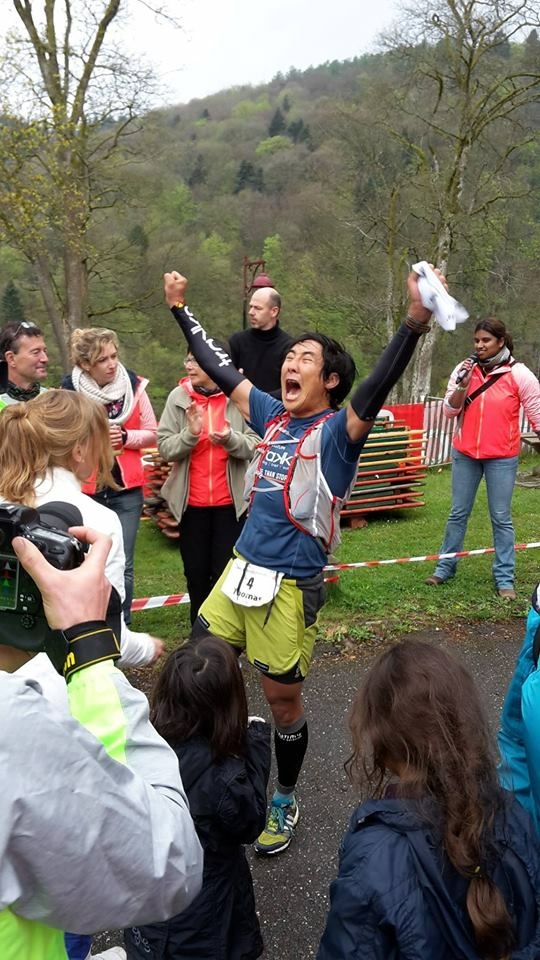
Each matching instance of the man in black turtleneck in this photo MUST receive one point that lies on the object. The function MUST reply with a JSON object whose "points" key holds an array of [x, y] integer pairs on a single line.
{"points": [[23, 362], [258, 351]]}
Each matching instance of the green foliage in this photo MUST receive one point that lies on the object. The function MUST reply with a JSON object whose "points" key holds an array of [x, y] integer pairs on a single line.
{"points": [[139, 238], [249, 108], [277, 124], [298, 131], [216, 247], [272, 145], [248, 176], [274, 258], [175, 206], [11, 308]]}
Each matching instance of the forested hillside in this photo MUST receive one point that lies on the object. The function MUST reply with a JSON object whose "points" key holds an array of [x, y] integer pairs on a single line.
{"points": [[339, 177]]}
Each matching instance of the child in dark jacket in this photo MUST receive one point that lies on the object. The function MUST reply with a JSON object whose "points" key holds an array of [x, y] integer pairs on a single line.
{"points": [[441, 863], [199, 707]]}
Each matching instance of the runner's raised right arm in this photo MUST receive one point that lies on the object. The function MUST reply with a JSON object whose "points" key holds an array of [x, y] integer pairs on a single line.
{"points": [[212, 358]]}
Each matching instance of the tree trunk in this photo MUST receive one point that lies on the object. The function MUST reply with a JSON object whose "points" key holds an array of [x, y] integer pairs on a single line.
{"points": [[423, 359], [75, 200], [51, 306], [76, 283]]}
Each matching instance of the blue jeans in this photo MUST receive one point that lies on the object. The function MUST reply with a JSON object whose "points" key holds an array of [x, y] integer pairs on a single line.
{"points": [[500, 475], [127, 504], [77, 945]]}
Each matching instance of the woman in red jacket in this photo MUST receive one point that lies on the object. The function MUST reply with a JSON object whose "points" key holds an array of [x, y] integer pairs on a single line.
{"points": [[210, 446], [98, 373], [486, 393]]}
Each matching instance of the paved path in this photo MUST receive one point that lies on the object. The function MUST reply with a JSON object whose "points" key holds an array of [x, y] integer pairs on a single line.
{"points": [[291, 889]]}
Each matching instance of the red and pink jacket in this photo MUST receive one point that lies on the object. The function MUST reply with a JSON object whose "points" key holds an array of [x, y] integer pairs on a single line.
{"points": [[488, 428], [208, 485]]}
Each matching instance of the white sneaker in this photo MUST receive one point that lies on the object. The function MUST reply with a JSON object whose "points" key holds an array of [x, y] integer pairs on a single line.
{"points": [[114, 953]]}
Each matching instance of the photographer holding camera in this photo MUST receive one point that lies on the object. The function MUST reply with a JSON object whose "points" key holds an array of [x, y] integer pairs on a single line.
{"points": [[118, 850], [48, 448]]}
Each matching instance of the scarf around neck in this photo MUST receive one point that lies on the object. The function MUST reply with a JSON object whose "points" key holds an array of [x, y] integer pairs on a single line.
{"points": [[501, 357], [206, 391], [119, 389], [20, 393]]}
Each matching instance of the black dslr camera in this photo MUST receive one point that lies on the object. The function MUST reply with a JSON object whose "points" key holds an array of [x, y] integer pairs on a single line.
{"points": [[22, 620]]}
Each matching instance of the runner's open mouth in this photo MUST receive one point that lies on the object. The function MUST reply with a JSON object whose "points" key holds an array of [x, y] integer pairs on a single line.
{"points": [[292, 388]]}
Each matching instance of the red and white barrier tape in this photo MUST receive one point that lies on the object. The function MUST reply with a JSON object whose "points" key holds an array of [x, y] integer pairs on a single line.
{"points": [[150, 603], [426, 556]]}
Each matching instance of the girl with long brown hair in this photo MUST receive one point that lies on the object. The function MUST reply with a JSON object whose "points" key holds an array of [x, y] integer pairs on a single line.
{"points": [[441, 863]]}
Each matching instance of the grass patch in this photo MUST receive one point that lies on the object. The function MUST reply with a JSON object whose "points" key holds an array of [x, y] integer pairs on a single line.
{"points": [[379, 601]]}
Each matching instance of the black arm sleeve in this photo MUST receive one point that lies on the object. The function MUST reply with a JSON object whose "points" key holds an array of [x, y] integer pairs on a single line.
{"points": [[370, 395], [88, 643], [212, 358]]}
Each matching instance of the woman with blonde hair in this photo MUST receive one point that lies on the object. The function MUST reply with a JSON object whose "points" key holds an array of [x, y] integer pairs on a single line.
{"points": [[98, 374], [49, 447]]}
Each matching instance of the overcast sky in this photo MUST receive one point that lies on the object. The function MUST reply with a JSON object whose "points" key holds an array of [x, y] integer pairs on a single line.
{"points": [[223, 43]]}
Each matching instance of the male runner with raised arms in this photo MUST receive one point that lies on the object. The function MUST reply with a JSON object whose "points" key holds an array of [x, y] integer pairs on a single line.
{"points": [[267, 600]]}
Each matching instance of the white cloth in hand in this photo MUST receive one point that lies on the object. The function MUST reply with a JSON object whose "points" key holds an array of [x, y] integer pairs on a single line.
{"points": [[446, 310]]}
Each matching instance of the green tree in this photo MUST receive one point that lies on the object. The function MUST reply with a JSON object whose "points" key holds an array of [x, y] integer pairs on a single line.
{"points": [[81, 96], [11, 309], [298, 131], [248, 176], [463, 113], [274, 258], [277, 125]]}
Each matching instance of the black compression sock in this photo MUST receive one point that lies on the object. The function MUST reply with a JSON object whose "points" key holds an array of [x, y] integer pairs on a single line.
{"points": [[290, 745]]}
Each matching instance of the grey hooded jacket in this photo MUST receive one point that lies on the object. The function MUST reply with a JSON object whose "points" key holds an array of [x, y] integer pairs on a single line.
{"points": [[87, 842]]}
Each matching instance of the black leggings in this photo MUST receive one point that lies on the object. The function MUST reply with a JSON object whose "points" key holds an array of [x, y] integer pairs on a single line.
{"points": [[207, 538]]}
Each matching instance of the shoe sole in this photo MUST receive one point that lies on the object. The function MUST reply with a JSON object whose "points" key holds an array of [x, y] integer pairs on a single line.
{"points": [[264, 852]]}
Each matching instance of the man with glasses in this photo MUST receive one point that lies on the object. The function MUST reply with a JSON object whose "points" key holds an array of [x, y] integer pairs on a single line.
{"points": [[23, 362]]}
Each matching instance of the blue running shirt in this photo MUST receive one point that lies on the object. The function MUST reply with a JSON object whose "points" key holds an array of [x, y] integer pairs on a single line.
{"points": [[269, 539]]}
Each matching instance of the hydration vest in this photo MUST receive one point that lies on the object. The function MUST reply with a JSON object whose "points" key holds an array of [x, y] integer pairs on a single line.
{"points": [[309, 503]]}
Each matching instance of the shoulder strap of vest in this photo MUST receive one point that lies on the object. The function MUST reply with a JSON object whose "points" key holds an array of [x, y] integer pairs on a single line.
{"points": [[309, 431], [278, 421], [486, 385]]}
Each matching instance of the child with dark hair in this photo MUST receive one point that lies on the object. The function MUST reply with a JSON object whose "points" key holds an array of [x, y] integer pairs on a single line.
{"points": [[199, 707], [441, 863]]}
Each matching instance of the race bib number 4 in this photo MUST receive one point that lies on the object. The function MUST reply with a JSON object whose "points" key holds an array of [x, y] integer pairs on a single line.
{"points": [[250, 585]]}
